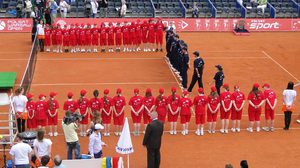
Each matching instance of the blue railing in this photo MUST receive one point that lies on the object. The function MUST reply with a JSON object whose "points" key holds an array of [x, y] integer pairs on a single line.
{"points": [[153, 9], [183, 8], [296, 5], [212, 8], [272, 10], [243, 10]]}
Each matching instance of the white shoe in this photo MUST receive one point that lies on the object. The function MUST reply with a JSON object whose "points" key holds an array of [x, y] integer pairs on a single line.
{"points": [[55, 134], [48, 50], [81, 134], [186, 132], [61, 51], [183, 132], [171, 132], [174, 132], [233, 130], [272, 129], [298, 121], [249, 129], [222, 131], [209, 131], [50, 134], [201, 132], [257, 129], [213, 131], [266, 129], [238, 130], [197, 132], [226, 131]]}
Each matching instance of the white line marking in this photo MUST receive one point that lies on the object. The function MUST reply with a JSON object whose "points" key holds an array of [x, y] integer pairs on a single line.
{"points": [[13, 59], [233, 51], [231, 58], [266, 54], [178, 83], [108, 83], [21, 52]]}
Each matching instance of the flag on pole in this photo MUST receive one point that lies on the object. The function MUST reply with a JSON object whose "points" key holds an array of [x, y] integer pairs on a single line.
{"points": [[124, 145]]}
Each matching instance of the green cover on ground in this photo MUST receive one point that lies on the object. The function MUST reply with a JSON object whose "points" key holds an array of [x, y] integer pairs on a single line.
{"points": [[7, 79]]}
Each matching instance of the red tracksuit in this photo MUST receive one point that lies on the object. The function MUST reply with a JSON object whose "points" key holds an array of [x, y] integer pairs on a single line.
{"points": [[119, 102], [136, 102], [213, 102], [151, 33], [238, 97], [52, 108], [59, 37], [66, 41], [47, 37], [70, 105], [200, 104], [161, 107], [159, 33], [95, 36], [174, 106], [125, 30], [31, 122], [226, 98], [145, 32], [118, 37], [41, 113], [271, 96], [82, 37], [88, 37], [254, 114], [148, 102], [73, 39], [185, 113], [110, 36], [103, 36], [107, 104]]}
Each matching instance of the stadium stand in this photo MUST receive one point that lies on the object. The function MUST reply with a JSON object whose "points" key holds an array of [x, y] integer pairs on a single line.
{"points": [[285, 8], [204, 6], [169, 8], [254, 12], [139, 8], [228, 9]]}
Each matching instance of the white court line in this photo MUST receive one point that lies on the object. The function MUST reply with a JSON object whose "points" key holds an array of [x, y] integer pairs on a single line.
{"points": [[178, 83], [108, 83], [266, 54], [232, 51], [231, 58]]}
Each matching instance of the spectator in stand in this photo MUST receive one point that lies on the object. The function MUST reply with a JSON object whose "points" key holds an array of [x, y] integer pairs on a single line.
{"points": [[123, 9], [47, 12], [63, 8], [20, 153], [195, 10], [53, 10], [28, 8], [41, 35], [289, 99], [45, 161], [94, 5], [19, 102], [96, 143], [57, 162], [38, 14], [262, 4], [103, 8], [42, 147]]}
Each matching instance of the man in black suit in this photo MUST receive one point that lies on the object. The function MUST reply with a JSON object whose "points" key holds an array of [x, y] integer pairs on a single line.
{"points": [[152, 140]]}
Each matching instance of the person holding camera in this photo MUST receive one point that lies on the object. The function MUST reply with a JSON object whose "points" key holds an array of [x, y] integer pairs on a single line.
{"points": [[69, 126]]}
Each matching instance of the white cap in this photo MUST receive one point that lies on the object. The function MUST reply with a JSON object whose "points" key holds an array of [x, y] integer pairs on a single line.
{"points": [[98, 127]]}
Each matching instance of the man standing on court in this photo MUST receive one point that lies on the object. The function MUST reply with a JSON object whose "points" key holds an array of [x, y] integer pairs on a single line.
{"points": [[152, 140], [184, 66], [198, 71]]}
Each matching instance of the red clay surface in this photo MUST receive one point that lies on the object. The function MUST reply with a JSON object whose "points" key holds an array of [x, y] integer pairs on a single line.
{"points": [[245, 60]]}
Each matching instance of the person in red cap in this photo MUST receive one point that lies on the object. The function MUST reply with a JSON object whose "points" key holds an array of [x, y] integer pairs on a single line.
{"points": [[106, 112], [95, 38], [149, 105], [95, 105], [119, 104], [53, 38], [30, 106], [238, 101], [145, 27], [73, 39], [159, 33], [213, 106], [125, 31], [83, 105], [66, 38], [88, 38], [103, 37], [161, 105], [59, 38], [52, 114], [41, 111], [200, 103], [226, 105], [185, 112], [118, 37], [47, 38], [173, 102], [70, 105], [256, 100], [136, 106], [151, 35], [132, 37], [110, 37], [271, 101], [82, 38], [78, 40], [138, 35]]}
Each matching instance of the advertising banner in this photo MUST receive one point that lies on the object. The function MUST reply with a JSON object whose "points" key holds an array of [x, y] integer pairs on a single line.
{"points": [[15, 25]]}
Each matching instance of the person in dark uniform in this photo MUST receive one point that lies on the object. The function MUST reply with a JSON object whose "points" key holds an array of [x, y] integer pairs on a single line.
{"points": [[169, 40], [173, 52], [184, 66], [198, 71], [219, 77], [152, 141]]}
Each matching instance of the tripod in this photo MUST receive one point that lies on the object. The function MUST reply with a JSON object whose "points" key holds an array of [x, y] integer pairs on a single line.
{"points": [[4, 156]]}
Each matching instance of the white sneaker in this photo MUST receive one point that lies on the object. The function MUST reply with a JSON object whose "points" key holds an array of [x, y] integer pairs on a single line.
{"points": [[233, 130], [171, 132], [209, 131], [183, 132], [249, 129], [213, 131], [298, 121], [238, 130], [222, 131], [197, 132], [226, 131], [55, 134], [201, 132], [48, 50], [50, 134], [186, 132], [81, 134], [175, 132], [272, 129], [257, 129], [61, 51], [266, 129]]}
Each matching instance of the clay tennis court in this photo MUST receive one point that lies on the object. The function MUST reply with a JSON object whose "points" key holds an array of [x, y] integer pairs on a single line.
{"points": [[260, 57]]}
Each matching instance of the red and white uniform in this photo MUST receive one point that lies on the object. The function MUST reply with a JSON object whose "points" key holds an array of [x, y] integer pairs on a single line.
{"points": [[95, 36], [213, 102], [88, 37], [149, 102], [83, 106], [82, 37], [70, 105], [31, 122], [110, 36], [59, 36], [78, 32], [138, 34], [125, 30], [53, 36], [159, 33], [66, 35], [132, 37], [73, 39], [52, 109], [174, 106], [270, 95], [119, 102], [226, 98], [151, 33], [136, 102], [145, 32], [254, 114], [161, 108], [95, 105], [47, 37], [103, 36], [41, 112], [237, 97], [107, 105], [200, 105], [185, 112], [118, 36]]}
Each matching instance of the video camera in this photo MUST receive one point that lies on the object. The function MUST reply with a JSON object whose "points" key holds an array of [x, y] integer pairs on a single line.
{"points": [[72, 117]]}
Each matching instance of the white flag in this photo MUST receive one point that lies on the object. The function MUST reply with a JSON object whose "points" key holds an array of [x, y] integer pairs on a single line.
{"points": [[124, 145]]}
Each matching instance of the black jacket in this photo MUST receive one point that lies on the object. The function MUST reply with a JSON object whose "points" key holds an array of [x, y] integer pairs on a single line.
{"points": [[153, 134]]}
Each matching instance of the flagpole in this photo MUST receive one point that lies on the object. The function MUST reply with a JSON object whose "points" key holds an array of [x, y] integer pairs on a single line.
{"points": [[127, 160]]}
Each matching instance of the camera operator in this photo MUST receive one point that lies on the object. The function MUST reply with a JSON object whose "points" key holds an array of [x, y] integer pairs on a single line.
{"points": [[69, 126]]}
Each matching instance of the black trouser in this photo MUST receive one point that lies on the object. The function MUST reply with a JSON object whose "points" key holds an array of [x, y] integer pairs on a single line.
{"points": [[48, 19], [287, 119], [41, 43], [184, 77], [153, 158], [218, 89], [194, 80], [21, 124]]}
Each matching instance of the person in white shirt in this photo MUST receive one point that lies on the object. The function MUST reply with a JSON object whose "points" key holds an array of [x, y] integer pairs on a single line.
{"points": [[42, 147], [123, 8], [96, 143], [20, 153], [94, 5], [63, 8], [28, 8], [41, 34], [19, 102], [289, 99]]}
